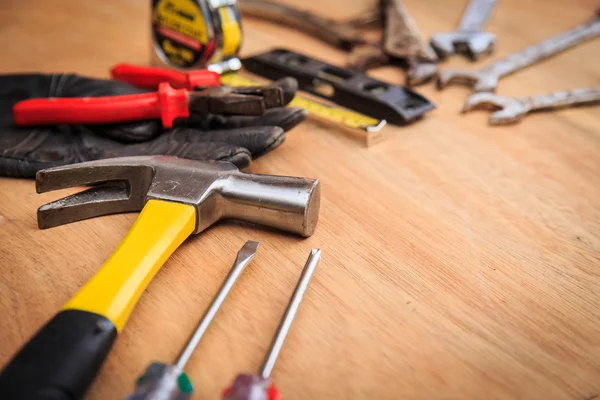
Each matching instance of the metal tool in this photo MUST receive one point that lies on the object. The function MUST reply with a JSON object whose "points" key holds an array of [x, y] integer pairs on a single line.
{"points": [[177, 197], [486, 79], [469, 39], [402, 44], [353, 90], [402, 40], [194, 33], [342, 34], [260, 387], [167, 104], [169, 382], [513, 109]]}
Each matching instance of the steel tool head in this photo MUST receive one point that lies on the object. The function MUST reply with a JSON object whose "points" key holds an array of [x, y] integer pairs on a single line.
{"points": [[481, 81], [473, 44], [510, 109], [420, 72], [235, 100], [218, 190]]}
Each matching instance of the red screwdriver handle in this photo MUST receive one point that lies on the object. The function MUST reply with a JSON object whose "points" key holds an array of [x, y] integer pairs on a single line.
{"points": [[167, 104], [242, 387], [150, 77]]}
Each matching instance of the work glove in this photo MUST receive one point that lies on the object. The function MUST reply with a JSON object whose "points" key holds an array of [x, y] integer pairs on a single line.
{"points": [[26, 150]]}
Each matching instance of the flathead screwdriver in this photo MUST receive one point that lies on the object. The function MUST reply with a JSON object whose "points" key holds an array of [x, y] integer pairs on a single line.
{"points": [[169, 382], [260, 386]]}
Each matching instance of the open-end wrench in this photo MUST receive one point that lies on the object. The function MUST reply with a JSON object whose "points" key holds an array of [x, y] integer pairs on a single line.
{"points": [[486, 79], [468, 39], [513, 109], [402, 39]]}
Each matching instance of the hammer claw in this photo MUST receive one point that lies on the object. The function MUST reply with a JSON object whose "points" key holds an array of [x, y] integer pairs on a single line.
{"points": [[122, 188], [106, 199], [87, 173]]}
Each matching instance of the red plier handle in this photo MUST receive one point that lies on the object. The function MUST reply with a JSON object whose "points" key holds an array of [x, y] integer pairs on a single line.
{"points": [[150, 77], [166, 104]]}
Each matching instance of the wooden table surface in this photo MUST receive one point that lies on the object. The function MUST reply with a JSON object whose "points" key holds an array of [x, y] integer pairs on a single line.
{"points": [[460, 261]]}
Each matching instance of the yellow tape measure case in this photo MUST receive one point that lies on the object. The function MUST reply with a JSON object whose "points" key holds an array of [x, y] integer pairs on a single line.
{"points": [[189, 34]]}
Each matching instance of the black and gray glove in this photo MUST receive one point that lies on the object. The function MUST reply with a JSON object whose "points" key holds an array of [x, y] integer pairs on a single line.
{"points": [[26, 150]]}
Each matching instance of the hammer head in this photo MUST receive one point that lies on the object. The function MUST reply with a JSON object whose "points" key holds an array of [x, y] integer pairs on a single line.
{"points": [[218, 190], [510, 110], [481, 81], [472, 44]]}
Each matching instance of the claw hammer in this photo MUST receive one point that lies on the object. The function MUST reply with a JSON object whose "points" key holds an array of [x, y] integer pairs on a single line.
{"points": [[177, 197]]}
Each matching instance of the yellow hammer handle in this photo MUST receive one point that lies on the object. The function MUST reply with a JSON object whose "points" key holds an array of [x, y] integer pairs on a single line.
{"points": [[158, 231]]}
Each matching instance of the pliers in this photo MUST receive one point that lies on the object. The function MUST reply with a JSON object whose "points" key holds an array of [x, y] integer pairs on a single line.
{"points": [[178, 94]]}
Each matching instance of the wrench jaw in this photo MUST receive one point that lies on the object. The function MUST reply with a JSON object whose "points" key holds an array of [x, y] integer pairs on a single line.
{"points": [[476, 45], [472, 44], [507, 110], [419, 72], [443, 44], [458, 77]]}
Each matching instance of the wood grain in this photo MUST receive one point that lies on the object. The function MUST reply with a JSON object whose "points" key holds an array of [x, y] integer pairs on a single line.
{"points": [[460, 261]]}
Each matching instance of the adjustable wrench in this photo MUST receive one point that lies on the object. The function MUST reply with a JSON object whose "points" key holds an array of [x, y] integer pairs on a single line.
{"points": [[513, 109], [401, 39], [486, 79], [468, 39]]}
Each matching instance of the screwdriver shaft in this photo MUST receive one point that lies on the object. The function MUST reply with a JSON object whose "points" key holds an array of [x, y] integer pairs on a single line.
{"points": [[244, 257], [290, 313]]}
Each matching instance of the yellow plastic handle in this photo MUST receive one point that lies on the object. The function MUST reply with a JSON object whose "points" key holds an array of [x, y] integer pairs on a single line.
{"points": [[157, 232]]}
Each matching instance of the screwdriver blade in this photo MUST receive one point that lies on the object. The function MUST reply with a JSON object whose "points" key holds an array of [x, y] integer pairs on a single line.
{"points": [[247, 252], [290, 313], [244, 256]]}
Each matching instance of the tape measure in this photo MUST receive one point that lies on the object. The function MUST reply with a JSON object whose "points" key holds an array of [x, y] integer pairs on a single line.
{"points": [[190, 34], [342, 116]]}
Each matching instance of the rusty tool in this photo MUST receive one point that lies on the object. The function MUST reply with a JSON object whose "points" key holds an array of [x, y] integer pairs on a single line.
{"points": [[468, 38], [513, 109], [177, 197], [486, 79], [401, 43], [402, 40], [167, 104], [342, 34]]}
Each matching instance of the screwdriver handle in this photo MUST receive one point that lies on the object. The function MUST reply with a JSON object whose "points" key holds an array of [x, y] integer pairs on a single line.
{"points": [[152, 77], [247, 387], [166, 104]]}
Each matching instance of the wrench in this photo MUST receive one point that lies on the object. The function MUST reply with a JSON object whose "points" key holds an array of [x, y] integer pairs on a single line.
{"points": [[513, 109], [486, 79], [401, 39], [468, 39]]}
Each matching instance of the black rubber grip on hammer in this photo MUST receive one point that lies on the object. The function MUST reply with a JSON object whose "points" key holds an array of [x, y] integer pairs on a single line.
{"points": [[61, 360]]}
